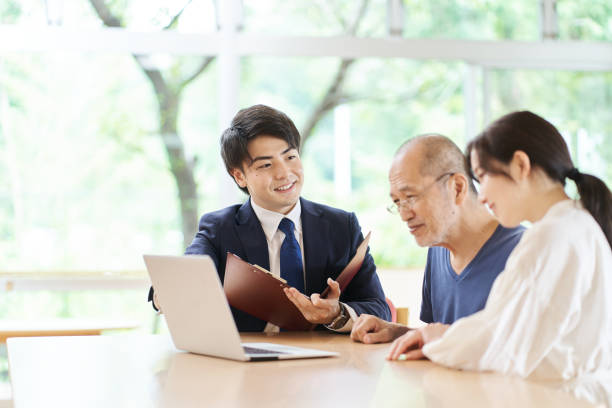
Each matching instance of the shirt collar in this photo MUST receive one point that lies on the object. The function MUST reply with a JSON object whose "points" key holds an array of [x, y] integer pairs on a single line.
{"points": [[270, 219]]}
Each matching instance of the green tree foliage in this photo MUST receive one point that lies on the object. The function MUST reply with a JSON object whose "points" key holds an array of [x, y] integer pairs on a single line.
{"points": [[585, 20], [10, 11]]}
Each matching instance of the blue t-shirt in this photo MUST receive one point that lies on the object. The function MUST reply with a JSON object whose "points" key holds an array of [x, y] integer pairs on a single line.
{"points": [[447, 296]]}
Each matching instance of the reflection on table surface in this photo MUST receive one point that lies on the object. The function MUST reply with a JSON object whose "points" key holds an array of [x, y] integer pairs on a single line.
{"points": [[134, 371]]}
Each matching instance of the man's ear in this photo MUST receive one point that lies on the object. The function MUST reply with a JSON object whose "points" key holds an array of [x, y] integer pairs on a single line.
{"points": [[239, 177], [520, 165], [461, 187]]}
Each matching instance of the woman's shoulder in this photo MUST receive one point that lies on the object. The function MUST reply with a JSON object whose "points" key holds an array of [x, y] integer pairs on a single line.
{"points": [[566, 234], [566, 220]]}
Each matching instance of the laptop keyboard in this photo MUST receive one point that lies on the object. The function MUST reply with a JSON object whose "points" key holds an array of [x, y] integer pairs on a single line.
{"points": [[254, 350]]}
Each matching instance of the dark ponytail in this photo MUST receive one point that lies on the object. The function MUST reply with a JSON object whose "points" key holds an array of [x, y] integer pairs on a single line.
{"points": [[546, 149], [596, 198]]}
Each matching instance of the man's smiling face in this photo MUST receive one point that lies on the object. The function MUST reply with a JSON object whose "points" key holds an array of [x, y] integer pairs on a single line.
{"points": [[273, 174]]}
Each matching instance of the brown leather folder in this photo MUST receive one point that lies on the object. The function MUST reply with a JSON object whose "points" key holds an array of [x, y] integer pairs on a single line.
{"points": [[349, 271], [257, 292]]}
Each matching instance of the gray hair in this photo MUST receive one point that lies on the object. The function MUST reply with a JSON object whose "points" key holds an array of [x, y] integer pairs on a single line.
{"points": [[440, 155]]}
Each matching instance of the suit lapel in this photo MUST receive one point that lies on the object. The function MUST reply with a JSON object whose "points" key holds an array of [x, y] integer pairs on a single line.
{"points": [[315, 235], [252, 237]]}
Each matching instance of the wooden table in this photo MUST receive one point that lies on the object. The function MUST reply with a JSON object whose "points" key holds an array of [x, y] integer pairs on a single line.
{"points": [[146, 371]]}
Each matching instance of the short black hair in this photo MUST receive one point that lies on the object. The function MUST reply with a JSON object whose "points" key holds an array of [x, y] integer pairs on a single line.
{"points": [[249, 123]]}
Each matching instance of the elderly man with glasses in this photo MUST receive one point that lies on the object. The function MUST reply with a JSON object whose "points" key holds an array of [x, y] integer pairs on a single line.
{"points": [[434, 195]]}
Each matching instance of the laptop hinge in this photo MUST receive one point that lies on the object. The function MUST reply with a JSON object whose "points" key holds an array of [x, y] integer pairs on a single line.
{"points": [[263, 358]]}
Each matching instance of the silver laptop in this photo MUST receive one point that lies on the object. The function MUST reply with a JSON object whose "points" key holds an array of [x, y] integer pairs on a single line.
{"points": [[198, 316]]}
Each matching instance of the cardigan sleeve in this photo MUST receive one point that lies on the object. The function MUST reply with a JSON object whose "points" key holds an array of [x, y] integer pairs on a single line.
{"points": [[531, 305]]}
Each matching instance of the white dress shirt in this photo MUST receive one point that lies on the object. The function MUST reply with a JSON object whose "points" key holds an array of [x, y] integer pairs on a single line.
{"points": [[549, 314], [269, 223]]}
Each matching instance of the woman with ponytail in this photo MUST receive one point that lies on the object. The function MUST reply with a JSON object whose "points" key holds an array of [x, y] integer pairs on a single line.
{"points": [[549, 313]]}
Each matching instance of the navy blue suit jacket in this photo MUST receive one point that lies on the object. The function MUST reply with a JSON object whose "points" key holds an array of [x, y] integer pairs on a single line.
{"points": [[330, 237]]}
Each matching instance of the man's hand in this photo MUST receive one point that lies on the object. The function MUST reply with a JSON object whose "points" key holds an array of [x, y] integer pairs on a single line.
{"points": [[370, 329], [409, 346], [317, 310]]}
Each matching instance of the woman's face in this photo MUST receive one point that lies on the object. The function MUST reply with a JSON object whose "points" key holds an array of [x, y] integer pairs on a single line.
{"points": [[499, 192]]}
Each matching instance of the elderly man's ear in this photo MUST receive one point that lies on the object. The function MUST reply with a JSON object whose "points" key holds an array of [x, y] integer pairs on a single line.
{"points": [[460, 186]]}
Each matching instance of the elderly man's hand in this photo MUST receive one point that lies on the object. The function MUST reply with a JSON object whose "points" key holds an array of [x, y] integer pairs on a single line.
{"points": [[316, 309], [370, 329]]}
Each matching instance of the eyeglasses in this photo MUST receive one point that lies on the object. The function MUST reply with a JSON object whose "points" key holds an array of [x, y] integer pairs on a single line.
{"points": [[412, 199]]}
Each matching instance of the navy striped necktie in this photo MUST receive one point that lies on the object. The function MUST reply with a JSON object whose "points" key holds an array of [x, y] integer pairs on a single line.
{"points": [[291, 257]]}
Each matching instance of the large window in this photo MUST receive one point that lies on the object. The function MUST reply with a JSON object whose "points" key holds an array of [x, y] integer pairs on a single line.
{"points": [[576, 102], [84, 168], [109, 137]]}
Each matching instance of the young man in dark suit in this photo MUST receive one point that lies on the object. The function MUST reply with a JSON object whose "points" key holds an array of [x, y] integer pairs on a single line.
{"points": [[306, 243]]}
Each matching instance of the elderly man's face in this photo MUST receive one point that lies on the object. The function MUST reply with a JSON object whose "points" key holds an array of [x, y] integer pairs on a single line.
{"points": [[425, 203]]}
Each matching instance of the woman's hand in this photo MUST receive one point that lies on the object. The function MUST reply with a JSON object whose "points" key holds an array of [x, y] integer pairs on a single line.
{"points": [[409, 346]]}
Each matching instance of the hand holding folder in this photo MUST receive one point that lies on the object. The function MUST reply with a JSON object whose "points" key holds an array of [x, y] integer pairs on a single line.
{"points": [[259, 293]]}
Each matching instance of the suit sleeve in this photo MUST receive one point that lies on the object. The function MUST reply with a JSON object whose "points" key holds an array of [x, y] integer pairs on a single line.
{"points": [[364, 294], [202, 244]]}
